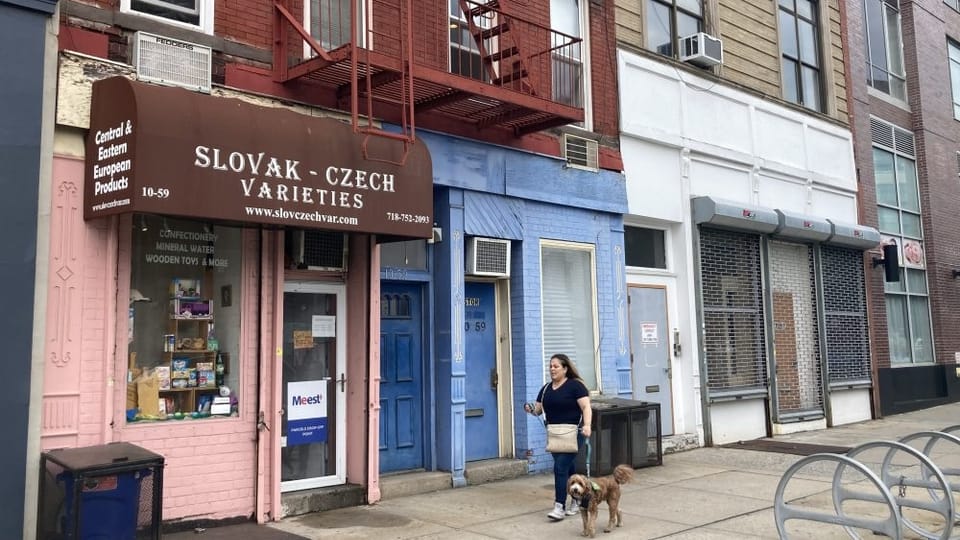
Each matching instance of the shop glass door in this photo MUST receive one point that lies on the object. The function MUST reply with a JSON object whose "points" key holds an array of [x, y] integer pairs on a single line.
{"points": [[312, 441]]}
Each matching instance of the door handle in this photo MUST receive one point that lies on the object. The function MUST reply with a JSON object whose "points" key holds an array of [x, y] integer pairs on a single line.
{"points": [[494, 379], [261, 423], [343, 381]]}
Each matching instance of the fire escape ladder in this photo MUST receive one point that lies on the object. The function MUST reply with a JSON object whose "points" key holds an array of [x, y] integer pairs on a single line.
{"points": [[499, 48], [395, 89]]}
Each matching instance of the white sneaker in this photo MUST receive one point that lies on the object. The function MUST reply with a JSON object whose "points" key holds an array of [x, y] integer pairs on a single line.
{"points": [[574, 508], [557, 513]]}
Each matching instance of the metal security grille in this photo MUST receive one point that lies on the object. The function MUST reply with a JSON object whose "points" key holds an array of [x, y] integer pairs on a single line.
{"points": [[799, 386], [731, 288], [845, 315]]}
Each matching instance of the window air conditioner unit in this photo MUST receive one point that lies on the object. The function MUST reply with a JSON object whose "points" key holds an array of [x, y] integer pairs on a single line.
{"points": [[701, 50], [172, 62], [581, 153], [488, 257]]}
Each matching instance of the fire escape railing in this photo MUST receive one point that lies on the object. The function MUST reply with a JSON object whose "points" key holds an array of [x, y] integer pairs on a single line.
{"points": [[383, 51]]}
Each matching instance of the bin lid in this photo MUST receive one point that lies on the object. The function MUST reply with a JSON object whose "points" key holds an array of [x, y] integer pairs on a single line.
{"points": [[603, 402], [105, 455]]}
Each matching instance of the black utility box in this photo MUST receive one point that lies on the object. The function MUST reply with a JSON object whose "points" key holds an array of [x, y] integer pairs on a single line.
{"points": [[111, 491], [624, 431]]}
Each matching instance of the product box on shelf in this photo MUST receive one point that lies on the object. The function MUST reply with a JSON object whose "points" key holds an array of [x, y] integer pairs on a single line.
{"points": [[185, 287], [191, 309], [163, 376]]}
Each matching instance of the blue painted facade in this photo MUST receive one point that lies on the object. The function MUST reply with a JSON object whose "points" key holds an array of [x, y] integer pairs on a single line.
{"points": [[495, 192], [23, 33]]}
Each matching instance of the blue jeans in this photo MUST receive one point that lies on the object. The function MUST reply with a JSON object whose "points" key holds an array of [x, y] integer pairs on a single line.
{"points": [[564, 466]]}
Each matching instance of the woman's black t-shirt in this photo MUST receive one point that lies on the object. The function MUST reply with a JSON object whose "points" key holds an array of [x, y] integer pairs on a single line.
{"points": [[561, 405]]}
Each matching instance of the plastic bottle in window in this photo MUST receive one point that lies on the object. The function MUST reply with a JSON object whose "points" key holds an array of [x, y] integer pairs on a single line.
{"points": [[219, 367]]}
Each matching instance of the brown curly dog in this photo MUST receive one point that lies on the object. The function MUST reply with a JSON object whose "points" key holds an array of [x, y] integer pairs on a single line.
{"points": [[590, 492]]}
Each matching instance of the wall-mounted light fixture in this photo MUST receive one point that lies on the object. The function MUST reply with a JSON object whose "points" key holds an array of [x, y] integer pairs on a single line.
{"points": [[143, 224], [890, 263]]}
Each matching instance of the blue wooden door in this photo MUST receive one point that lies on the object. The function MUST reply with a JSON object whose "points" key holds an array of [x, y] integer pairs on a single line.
{"points": [[401, 380], [480, 354]]}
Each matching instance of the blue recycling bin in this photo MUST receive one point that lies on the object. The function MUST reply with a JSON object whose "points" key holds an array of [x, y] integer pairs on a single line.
{"points": [[105, 492], [108, 505]]}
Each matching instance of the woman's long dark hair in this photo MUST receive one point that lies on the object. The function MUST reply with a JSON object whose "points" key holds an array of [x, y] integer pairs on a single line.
{"points": [[565, 361]]}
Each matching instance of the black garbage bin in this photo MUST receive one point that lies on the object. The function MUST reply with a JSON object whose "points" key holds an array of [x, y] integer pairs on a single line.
{"points": [[112, 491], [623, 431]]}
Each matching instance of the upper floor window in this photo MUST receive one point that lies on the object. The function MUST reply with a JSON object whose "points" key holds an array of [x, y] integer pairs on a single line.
{"points": [[885, 48], [568, 60], [464, 51], [800, 53], [955, 4], [670, 20], [954, 56], [197, 14]]}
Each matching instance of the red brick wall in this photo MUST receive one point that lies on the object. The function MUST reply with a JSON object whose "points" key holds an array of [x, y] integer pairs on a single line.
{"points": [[927, 24]]}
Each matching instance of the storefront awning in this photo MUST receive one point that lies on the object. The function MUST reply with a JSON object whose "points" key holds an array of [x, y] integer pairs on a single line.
{"points": [[170, 151], [734, 215], [795, 226], [853, 235]]}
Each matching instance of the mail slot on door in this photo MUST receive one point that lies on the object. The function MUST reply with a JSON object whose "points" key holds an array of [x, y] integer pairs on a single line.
{"points": [[471, 413]]}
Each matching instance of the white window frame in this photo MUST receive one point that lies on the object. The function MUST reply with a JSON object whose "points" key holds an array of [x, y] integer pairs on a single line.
{"points": [[953, 60], [361, 31], [885, 5], [586, 71], [593, 386], [205, 8]]}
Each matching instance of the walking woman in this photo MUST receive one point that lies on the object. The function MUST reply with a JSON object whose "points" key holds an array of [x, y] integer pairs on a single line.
{"points": [[566, 400]]}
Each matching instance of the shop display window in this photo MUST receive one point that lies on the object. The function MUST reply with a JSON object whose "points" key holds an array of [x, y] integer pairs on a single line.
{"points": [[184, 320]]}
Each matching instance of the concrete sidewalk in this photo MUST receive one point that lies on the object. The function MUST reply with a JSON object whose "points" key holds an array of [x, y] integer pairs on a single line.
{"points": [[707, 493]]}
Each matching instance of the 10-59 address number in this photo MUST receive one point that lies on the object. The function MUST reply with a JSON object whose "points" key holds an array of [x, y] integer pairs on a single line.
{"points": [[155, 193]]}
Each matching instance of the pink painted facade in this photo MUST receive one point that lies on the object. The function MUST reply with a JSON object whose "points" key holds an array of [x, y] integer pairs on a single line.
{"points": [[219, 467]]}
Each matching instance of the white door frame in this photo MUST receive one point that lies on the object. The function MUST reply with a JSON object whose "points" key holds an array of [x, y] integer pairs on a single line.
{"points": [[340, 423]]}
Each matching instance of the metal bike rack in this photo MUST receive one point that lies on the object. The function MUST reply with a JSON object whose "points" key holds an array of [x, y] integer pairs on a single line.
{"points": [[931, 480], [891, 526], [933, 437]]}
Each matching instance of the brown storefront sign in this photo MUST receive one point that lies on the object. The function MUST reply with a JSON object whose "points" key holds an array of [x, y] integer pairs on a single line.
{"points": [[170, 151]]}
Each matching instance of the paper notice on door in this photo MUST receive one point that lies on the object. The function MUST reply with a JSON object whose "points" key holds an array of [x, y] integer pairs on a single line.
{"points": [[648, 333], [302, 339], [324, 326]]}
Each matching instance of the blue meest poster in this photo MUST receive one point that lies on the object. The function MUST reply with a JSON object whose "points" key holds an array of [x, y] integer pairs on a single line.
{"points": [[306, 412]]}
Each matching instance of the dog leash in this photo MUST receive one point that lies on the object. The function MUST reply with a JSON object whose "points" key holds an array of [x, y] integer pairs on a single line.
{"points": [[588, 456]]}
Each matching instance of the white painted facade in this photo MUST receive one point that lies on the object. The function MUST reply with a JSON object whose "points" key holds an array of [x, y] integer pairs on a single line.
{"points": [[684, 136]]}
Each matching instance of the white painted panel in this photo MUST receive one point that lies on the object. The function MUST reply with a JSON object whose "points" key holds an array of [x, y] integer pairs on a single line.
{"points": [[780, 139], [848, 406], [714, 180], [783, 193], [799, 427], [653, 180], [741, 420], [717, 120], [831, 155], [839, 206], [648, 100]]}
